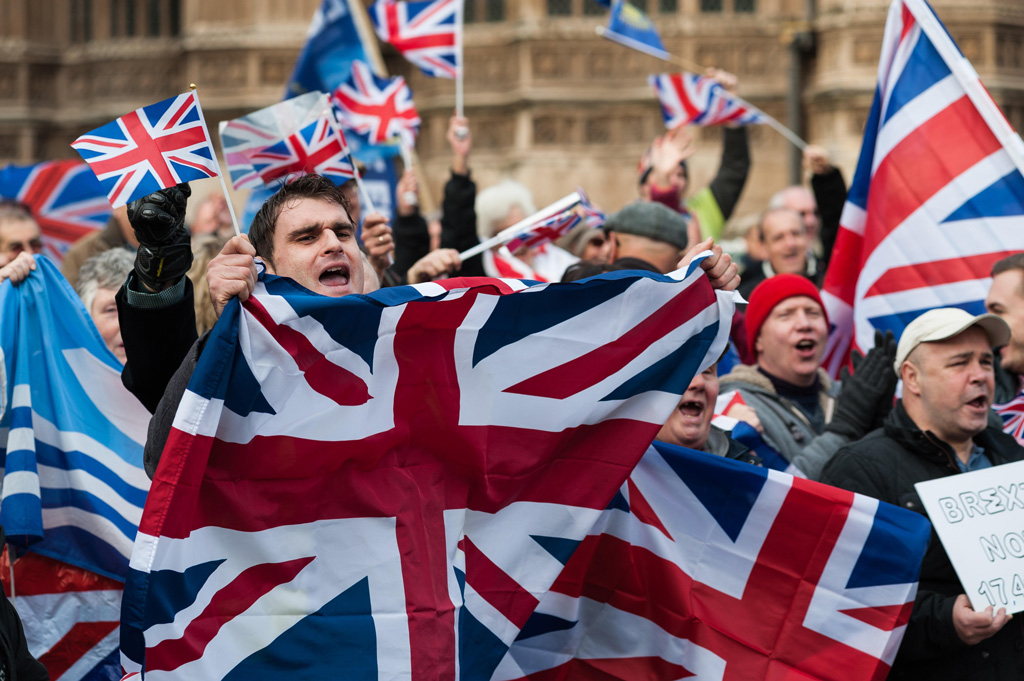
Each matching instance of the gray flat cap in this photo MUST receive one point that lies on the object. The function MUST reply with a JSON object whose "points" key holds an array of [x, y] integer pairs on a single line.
{"points": [[652, 220]]}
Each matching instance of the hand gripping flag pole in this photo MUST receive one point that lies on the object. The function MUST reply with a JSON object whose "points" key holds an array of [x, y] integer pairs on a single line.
{"points": [[216, 163]]}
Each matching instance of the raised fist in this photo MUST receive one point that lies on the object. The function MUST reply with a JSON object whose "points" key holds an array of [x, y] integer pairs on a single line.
{"points": [[165, 246]]}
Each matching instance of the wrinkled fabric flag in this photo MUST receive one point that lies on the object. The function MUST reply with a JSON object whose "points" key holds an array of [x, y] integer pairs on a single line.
{"points": [[707, 567], [938, 195], [71, 435], [459, 439]]}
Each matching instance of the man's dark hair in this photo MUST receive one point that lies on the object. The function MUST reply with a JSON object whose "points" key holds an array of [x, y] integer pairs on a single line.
{"points": [[261, 232], [1011, 262]]}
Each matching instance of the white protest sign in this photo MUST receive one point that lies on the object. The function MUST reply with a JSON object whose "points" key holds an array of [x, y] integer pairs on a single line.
{"points": [[979, 517]]}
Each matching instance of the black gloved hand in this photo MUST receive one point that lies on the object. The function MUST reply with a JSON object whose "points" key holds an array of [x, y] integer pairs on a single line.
{"points": [[866, 396], [165, 246]]}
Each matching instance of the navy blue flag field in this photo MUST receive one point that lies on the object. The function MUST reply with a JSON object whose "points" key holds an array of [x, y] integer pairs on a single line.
{"points": [[388, 484], [705, 567], [71, 435]]}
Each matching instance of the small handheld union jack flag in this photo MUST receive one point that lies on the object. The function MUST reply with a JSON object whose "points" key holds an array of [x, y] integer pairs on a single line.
{"points": [[150, 149], [545, 231], [687, 98], [290, 138], [316, 148], [429, 33], [381, 108]]}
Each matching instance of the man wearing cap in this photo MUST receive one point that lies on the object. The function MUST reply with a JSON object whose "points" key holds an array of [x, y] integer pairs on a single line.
{"points": [[940, 427], [787, 328], [647, 231]]}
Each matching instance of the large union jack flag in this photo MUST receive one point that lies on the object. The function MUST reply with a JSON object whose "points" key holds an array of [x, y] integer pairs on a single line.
{"points": [[428, 33], [149, 149], [70, 617], [704, 567], [938, 195], [687, 98], [65, 198], [387, 484], [380, 108]]}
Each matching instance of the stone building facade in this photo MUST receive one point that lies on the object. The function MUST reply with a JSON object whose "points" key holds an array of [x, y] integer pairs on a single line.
{"points": [[551, 103]]}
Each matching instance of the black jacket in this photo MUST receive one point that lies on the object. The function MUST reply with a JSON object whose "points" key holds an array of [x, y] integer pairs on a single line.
{"points": [[18, 663], [458, 221], [155, 343], [885, 465]]}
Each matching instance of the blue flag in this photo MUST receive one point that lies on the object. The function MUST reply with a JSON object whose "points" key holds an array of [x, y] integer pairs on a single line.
{"points": [[71, 435], [629, 26], [331, 45]]}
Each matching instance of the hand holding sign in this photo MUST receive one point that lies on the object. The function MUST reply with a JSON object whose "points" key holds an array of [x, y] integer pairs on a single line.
{"points": [[974, 627], [978, 516]]}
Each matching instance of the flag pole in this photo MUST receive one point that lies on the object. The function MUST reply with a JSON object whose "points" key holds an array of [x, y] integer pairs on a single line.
{"points": [[460, 66], [795, 139], [220, 173], [506, 235]]}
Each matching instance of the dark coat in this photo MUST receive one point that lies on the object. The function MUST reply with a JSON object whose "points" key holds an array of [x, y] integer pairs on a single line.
{"points": [[17, 661], [885, 465], [155, 343]]}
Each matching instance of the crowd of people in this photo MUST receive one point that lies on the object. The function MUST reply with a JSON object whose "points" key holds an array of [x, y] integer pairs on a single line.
{"points": [[154, 287]]}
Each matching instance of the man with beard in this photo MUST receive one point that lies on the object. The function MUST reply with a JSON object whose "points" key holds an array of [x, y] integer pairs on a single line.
{"points": [[787, 328], [940, 427]]}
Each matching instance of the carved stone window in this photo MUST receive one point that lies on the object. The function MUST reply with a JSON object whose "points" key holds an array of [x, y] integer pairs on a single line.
{"points": [[746, 6], [495, 10], [668, 6], [559, 8], [593, 8]]}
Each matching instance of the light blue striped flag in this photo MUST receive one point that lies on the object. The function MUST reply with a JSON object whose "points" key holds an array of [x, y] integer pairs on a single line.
{"points": [[71, 435]]}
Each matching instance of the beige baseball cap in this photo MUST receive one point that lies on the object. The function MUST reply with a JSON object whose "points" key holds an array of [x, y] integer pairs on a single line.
{"points": [[945, 322]]}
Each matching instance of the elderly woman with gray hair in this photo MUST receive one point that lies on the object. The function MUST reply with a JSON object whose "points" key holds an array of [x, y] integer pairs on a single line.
{"points": [[98, 280]]}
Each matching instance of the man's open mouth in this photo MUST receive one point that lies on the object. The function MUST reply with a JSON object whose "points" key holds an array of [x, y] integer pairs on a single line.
{"points": [[691, 408], [980, 402], [335, 276]]}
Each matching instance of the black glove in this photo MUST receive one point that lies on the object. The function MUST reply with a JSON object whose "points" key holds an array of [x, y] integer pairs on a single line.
{"points": [[165, 246], [866, 396]]}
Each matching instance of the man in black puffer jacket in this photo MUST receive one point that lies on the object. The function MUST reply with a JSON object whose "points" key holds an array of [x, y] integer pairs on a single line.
{"points": [[939, 428]]}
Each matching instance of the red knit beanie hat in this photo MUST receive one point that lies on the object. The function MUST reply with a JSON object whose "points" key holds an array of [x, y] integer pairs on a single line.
{"points": [[770, 293]]}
